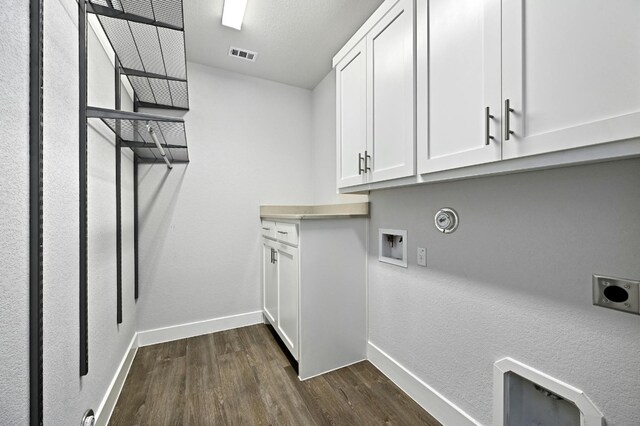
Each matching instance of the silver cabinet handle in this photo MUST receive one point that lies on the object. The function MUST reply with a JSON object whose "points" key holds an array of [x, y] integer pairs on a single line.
{"points": [[271, 255], [282, 232], [360, 169], [487, 126], [275, 255], [507, 122], [266, 229], [367, 158]]}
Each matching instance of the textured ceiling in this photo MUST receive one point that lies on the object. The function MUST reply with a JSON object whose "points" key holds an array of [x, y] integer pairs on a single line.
{"points": [[295, 39]]}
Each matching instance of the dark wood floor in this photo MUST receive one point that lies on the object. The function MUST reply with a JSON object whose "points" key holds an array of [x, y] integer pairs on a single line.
{"points": [[241, 377]]}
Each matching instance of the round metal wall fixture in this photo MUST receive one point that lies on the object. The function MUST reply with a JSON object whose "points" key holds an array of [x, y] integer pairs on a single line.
{"points": [[446, 220], [89, 419]]}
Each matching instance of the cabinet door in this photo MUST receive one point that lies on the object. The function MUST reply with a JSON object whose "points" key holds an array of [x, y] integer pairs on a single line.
{"points": [[571, 73], [288, 284], [351, 116], [390, 70], [270, 282], [458, 83]]}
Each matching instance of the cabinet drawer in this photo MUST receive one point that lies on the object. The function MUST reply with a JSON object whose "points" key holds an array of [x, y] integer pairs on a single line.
{"points": [[287, 233], [268, 229]]}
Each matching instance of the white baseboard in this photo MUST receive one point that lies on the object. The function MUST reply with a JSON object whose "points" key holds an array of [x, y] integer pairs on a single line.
{"points": [[183, 331], [428, 398], [103, 414], [331, 370]]}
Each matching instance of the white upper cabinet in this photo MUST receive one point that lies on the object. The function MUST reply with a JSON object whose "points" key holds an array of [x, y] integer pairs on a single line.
{"points": [[571, 73], [375, 100], [543, 83], [390, 72], [351, 116], [458, 83]]}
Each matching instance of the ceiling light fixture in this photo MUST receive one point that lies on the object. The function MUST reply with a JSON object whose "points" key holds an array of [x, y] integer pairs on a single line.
{"points": [[233, 13]]}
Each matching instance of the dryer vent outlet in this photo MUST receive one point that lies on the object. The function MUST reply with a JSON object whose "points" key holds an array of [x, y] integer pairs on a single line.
{"points": [[245, 54], [616, 293]]}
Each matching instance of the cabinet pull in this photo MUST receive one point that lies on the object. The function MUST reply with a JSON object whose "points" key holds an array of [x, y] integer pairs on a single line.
{"points": [[271, 255], [282, 232], [266, 229], [507, 115], [487, 126], [275, 256], [367, 158], [360, 169]]}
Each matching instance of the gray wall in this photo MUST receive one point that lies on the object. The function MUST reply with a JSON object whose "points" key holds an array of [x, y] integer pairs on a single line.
{"points": [[66, 395], [14, 212], [249, 144], [513, 280]]}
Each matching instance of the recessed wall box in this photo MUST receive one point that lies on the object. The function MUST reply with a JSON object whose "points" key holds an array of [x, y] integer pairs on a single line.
{"points": [[392, 246], [525, 396], [616, 293]]}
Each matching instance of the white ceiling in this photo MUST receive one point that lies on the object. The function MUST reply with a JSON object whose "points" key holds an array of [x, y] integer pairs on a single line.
{"points": [[295, 39]]}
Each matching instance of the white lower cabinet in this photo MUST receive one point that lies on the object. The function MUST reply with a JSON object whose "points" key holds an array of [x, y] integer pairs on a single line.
{"points": [[288, 285], [314, 290], [270, 279], [281, 280]]}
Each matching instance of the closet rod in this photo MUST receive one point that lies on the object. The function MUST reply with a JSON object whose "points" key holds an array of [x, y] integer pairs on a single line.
{"points": [[157, 142]]}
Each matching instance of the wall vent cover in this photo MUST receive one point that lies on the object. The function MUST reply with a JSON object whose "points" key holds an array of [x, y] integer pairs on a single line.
{"points": [[523, 395], [245, 54]]}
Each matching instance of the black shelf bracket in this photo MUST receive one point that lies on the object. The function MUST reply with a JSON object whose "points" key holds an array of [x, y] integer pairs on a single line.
{"points": [[83, 179], [36, 277], [118, 105], [135, 228]]}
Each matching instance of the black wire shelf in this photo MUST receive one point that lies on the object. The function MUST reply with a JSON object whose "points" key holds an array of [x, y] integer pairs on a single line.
{"points": [[137, 130], [147, 36]]}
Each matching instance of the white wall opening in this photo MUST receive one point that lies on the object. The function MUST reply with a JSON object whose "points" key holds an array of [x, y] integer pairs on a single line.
{"points": [[529, 392], [392, 246]]}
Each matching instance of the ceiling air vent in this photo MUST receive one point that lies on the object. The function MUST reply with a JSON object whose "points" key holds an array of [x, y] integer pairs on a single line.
{"points": [[247, 55]]}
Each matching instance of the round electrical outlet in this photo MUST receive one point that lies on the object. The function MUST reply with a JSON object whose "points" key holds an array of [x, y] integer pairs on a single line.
{"points": [[446, 220], [616, 294], [89, 418]]}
